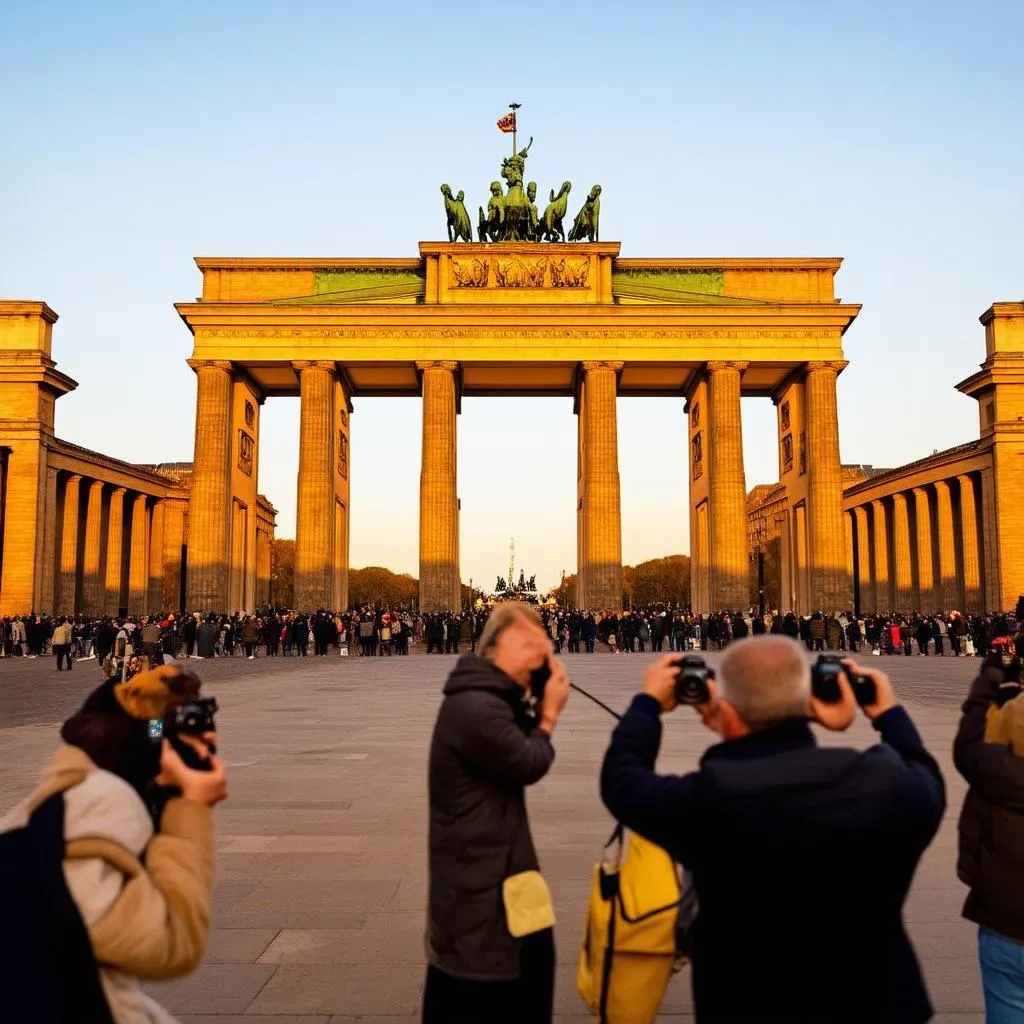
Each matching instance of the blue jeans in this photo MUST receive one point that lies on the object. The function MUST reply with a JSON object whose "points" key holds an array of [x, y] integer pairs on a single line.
{"points": [[1002, 977]]}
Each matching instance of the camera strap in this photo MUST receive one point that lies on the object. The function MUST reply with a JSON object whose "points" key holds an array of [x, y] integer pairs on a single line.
{"points": [[599, 703]]}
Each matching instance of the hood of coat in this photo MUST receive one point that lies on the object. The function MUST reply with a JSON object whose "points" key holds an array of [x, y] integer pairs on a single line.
{"points": [[474, 673]]}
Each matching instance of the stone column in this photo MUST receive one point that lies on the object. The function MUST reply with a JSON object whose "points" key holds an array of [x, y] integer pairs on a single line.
{"points": [[115, 552], [49, 592], [992, 598], [948, 587], [209, 531], [864, 576], [602, 538], [92, 569], [439, 504], [830, 583], [884, 598], [969, 532], [155, 600], [927, 598], [314, 526], [138, 565], [67, 602], [906, 600], [727, 489]]}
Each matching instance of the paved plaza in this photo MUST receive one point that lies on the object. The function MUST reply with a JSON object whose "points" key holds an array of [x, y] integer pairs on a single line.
{"points": [[321, 892]]}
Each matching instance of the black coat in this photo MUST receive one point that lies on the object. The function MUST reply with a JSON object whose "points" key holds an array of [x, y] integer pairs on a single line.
{"points": [[991, 858], [482, 755], [801, 857]]}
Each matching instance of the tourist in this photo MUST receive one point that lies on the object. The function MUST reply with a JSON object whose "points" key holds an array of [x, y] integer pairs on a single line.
{"points": [[784, 837], [61, 641], [989, 754], [485, 750], [146, 905]]}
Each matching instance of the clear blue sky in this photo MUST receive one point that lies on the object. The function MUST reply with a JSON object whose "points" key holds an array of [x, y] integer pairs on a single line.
{"points": [[138, 135]]}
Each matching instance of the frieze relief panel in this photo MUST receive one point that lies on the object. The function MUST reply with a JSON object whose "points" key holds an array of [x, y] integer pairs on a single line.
{"points": [[526, 333], [518, 272]]}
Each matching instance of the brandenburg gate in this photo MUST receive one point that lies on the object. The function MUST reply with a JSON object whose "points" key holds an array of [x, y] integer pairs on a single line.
{"points": [[520, 318]]}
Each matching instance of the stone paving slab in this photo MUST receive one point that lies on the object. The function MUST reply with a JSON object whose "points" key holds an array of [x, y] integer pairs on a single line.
{"points": [[321, 891]]}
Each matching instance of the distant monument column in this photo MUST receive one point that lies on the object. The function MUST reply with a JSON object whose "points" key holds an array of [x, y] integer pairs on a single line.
{"points": [[209, 529], [314, 525], [948, 584], [884, 597], [440, 585], [92, 570], [925, 563], [865, 577], [601, 512], [969, 532], [138, 562], [902, 566], [831, 587], [66, 604], [727, 497]]}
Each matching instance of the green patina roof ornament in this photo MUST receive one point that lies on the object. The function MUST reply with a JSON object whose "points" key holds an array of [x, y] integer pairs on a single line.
{"points": [[511, 216]]}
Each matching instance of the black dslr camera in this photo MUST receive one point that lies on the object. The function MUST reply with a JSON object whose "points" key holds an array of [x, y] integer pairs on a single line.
{"points": [[692, 680], [825, 682], [194, 718]]}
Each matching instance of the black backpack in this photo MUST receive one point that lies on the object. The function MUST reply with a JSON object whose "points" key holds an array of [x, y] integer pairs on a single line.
{"points": [[48, 974]]}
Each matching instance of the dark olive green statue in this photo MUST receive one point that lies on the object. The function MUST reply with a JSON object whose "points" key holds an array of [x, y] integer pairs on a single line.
{"points": [[459, 225], [551, 229], [585, 224]]}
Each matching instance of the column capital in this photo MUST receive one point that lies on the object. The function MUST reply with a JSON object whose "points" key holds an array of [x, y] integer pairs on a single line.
{"points": [[211, 364], [726, 364], [837, 365], [313, 364], [601, 364], [96, 485], [118, 492], [437, 364], [74, 478]]}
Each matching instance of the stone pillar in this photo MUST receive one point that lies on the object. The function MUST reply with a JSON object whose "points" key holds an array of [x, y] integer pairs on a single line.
{"points": [[802, 580], [174, 538], [602, 539], [969, 532], [49, 593], [115, 552], [924, 541], [314, 526], [155, 600], [440, 586], [990, 535], [581, 487], [906, 600], [727, 489], [209, 531], [884, 597], [864, 575], [67, 603], [92, 569], [830, 583], [138, 565], [948, 587]]}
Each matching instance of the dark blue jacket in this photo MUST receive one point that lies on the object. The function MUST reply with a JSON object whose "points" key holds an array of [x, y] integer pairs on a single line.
{"points": [[801, 857]]}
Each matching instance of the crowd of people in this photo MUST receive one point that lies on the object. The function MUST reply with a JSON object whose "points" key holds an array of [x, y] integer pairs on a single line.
{"points": [[783, 860], [385, 632]]}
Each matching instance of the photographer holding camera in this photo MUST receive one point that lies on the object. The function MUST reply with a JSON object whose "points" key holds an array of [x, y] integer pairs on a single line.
{"points": [[801, 856], [106, 870], [989, 753]]}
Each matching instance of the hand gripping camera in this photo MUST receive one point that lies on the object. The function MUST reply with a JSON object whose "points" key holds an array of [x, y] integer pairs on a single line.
{"points": [[194, 718], [825, 682], [692, 680]]}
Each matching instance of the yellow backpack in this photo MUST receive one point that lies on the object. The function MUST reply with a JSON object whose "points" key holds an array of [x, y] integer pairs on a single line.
{"points": [[630, 937]]}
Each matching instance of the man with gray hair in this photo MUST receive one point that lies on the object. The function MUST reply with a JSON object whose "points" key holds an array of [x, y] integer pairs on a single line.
{"points": [[801, 856], [491, 740]]}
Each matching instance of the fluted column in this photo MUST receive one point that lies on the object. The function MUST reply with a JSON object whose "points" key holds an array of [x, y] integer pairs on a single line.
{"points": [[439, 504], [209, 532], [155, 601], [880, 537], [314, 526], [947, 546], [864, 575], [138, 564], [66, 604], [602, 538], [969, 532], [49, 563], [726, 489], [92, 569], [830, 583], [902, 566], [927, 599], [115, 552]]}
